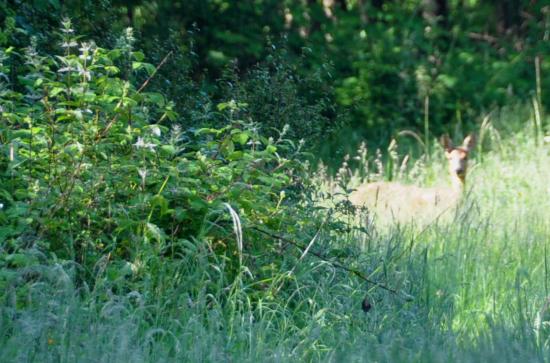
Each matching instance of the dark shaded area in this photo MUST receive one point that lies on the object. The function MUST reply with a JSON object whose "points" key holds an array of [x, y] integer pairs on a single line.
{"points": [[358, 69]]}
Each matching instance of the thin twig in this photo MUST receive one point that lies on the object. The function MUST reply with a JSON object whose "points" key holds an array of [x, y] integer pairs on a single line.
{"points": [[141, 88], [331, 262], [483, 37], [154, 72]]}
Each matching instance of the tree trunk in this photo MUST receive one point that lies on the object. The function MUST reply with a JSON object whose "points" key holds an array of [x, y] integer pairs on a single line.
{"points": [[510, 12]]}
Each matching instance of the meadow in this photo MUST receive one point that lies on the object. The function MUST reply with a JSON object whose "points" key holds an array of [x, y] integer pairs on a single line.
{"points": [[470, 287]]}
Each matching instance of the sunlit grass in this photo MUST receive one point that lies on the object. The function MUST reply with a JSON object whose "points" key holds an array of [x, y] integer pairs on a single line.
{"points": [[478, 279]]}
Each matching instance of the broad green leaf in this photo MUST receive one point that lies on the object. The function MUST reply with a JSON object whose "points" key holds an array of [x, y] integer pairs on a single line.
{"points": [[241, 137]]}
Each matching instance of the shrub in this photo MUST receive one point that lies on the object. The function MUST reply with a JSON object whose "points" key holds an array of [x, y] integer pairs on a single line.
{"points": [[96, 170]]}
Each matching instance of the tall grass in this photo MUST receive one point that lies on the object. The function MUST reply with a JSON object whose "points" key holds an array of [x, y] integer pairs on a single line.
{"points": [[478, 282]]}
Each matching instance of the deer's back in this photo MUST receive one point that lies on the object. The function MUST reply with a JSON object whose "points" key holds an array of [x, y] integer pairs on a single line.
{"points": [[403, 202]]}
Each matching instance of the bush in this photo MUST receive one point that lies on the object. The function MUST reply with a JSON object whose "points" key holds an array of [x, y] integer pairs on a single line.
{"points": [[96, 170], [276, 93]]}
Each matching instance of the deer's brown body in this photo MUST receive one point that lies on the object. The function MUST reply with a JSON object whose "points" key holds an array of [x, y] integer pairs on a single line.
{"points": [[401, 202]]}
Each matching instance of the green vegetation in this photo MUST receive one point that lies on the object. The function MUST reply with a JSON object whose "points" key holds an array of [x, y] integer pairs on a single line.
{"points": [[158, 200], [352, 69]]}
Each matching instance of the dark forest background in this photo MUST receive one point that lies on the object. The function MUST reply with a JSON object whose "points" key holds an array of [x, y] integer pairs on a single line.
{"points": [[336, 71]]}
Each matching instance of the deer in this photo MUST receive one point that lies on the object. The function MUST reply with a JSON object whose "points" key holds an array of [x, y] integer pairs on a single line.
{"points": [[393, 201]]}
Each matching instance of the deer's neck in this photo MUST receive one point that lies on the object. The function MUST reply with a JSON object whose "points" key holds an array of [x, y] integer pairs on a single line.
{"points": [[458, 183]]}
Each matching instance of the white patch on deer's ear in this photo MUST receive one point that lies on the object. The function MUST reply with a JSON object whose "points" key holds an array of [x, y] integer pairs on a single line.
{"points": [[469, 142]]}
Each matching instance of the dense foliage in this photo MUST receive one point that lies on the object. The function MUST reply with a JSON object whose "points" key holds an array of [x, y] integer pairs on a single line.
{"points": [[95, 170], [429, 66]]}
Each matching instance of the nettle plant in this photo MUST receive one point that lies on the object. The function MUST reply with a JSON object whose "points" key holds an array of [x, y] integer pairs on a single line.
{"points": [[95, 170]]}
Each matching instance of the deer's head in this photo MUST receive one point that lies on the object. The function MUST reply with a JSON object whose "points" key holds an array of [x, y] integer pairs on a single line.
{"points": [[457, 157]]}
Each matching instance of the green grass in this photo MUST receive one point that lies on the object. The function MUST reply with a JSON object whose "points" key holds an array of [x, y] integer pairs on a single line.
{"points": [[479, 283]]}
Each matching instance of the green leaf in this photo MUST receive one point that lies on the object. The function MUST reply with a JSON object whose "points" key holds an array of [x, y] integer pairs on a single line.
{"points": [[112, 70], [138, 56], [55, 91], [236, 155], [241, 137], [227, 147], [156, 98], [168, 149], [149, 68]]}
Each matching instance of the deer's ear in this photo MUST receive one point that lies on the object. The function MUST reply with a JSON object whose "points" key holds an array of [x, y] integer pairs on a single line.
{"points": [[446, 142], [469, 142]]}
